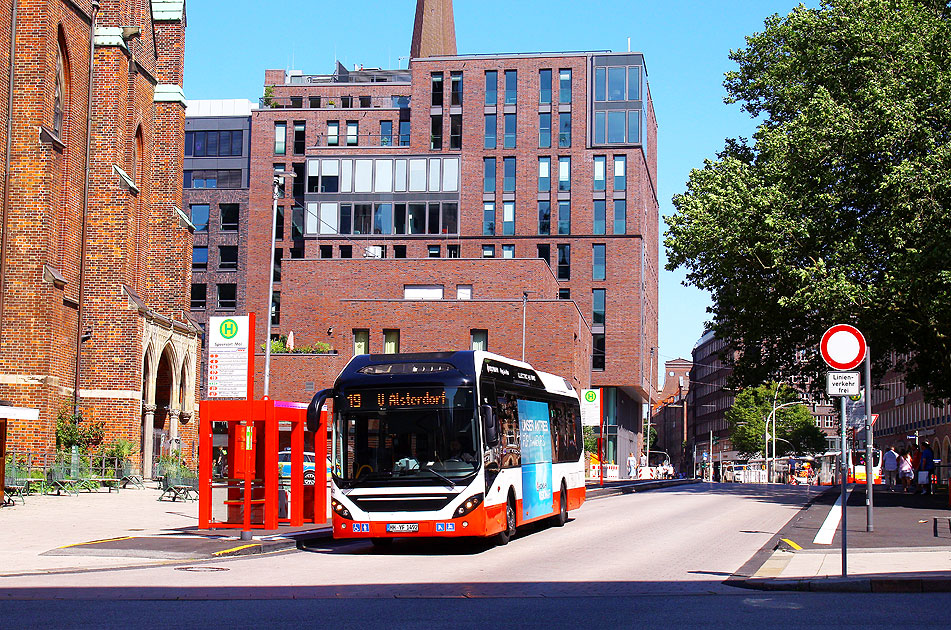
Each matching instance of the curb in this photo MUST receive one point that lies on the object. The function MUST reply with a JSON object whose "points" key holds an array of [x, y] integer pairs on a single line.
{"points": [[851, 584]]}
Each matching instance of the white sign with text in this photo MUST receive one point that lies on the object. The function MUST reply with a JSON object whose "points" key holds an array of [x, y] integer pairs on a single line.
{"points": [[591, 407], [842, 384], [229, 342]]}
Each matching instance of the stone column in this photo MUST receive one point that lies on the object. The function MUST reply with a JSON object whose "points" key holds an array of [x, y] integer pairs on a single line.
{"points": [[173, 415], [148, 429]]}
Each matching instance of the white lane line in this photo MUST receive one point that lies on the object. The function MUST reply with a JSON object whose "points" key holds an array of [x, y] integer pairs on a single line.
{"points": [[827, 532]]}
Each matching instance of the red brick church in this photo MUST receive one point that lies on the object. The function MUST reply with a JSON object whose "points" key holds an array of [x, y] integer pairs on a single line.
{"points": [[94, 249]]}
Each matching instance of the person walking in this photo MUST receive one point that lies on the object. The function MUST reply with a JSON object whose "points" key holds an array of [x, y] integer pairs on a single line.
{"points": [[905, 470], [890, 467], [926, 469], [915, 464]]}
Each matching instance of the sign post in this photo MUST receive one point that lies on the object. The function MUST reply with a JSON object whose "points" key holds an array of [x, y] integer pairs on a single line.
{"points": [[843, 348], [230, 367], [592, 416]]}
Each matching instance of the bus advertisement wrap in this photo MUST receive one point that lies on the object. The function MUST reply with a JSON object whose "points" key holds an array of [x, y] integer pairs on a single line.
{"points": [[535, 429]]}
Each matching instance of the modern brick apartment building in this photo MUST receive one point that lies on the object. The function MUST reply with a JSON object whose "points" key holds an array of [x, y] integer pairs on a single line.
{"points": [[95, 248], [515, 157], [216, 173]]}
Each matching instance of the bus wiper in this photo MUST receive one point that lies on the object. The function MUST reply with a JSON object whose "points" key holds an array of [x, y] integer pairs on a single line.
{"points": [[440, 475]]}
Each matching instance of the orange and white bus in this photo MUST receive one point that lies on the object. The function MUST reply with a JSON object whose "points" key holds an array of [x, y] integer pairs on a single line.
{"points": [[450, 444]]}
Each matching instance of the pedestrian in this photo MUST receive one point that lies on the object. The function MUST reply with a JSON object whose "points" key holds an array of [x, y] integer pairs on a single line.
{"points": [[915, 464], [632, 466], [905, 470], [890, 467], [926, 469]]}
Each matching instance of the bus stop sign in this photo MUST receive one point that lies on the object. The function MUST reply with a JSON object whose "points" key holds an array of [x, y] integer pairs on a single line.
{"points": [[843, 347]]}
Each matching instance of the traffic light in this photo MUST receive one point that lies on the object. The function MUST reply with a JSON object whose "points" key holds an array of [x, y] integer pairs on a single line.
{"points": [[716, 439]]}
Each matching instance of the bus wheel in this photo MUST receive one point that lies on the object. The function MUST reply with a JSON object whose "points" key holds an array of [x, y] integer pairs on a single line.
{"points": [[562, 516], [503, 537]]}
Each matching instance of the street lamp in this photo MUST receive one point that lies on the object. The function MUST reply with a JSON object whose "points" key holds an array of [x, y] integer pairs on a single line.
{"points": [[279, 175], [772, 418]]}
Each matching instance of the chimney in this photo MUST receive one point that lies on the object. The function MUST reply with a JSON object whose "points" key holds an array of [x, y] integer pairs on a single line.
{"points": [[434, 33]]}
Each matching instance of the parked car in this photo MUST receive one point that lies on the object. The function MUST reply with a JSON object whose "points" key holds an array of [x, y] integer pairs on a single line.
{"points": [[284, 465]]}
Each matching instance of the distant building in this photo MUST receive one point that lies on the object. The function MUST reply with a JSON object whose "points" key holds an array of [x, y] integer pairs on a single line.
{"points": [[669, 417], [94, 312], [547, 161], [216, 172], [905, 419], [711, 396]]}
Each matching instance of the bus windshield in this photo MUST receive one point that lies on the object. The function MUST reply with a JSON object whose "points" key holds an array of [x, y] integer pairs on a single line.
{"points": [[425, 434]]}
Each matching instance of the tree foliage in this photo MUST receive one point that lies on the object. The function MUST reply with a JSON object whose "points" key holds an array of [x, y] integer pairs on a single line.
{"points": [[837, 210], [796, 431]]}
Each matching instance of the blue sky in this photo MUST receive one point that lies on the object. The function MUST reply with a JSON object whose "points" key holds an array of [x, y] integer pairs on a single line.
{"points": [[685, 44]]}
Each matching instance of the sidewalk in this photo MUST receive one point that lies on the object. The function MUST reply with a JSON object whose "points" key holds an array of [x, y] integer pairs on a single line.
{"points": [[909, 551], [128, 528]]}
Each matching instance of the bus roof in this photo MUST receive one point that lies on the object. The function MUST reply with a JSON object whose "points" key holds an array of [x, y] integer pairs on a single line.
{"points": [[466, 363]]}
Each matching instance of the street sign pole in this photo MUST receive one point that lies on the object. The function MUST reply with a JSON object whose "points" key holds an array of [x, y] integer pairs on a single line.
{"points": [[844, 471], [843, 348], [869, 521]]}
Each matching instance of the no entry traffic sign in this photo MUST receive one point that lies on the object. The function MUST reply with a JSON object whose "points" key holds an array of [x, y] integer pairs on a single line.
{"points": [[843, 347]]}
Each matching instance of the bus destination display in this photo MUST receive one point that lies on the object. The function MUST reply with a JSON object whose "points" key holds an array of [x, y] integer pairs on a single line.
{"points": [[409, 398]]}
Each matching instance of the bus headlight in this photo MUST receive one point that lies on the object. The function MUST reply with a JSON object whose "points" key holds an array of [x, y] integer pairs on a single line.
{"points": [[468, 505], [340, 510]]}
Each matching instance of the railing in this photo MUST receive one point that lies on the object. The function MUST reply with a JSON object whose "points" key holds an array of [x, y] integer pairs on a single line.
{"points": [[334, 102], [361, 140], [42, 473]]}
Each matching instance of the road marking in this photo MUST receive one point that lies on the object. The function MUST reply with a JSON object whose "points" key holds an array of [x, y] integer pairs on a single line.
{"points": [[96, 542], [233, 549], [827, 532], [791, 544]]}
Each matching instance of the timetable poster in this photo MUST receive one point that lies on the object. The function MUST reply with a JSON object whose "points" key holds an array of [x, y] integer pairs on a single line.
{"points": [[535, 429]]}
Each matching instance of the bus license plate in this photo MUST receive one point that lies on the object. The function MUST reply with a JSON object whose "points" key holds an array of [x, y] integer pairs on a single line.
{"points": [[402, 527]]}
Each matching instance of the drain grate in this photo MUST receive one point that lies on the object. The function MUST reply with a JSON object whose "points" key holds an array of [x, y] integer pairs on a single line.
{"points": [[202, 569]]}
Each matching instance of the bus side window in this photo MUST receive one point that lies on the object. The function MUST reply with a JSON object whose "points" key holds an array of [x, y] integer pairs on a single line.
{"points": [[507, 413], [559, 435], [575, 439]]}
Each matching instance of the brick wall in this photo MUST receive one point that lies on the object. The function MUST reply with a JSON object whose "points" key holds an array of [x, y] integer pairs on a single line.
{"points": [[132, 235], [332, 298]]}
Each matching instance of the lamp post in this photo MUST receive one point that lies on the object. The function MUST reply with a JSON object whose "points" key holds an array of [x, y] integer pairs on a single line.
{"points": [[279, 175], [772, 418]]}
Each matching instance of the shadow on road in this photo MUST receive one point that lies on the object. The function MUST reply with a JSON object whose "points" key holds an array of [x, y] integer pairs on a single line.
{"points": [[780, 494], [415, 546]]}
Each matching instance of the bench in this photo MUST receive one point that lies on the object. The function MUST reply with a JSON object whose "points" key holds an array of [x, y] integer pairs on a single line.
{"points": [[14, 486], [174, 488], [10, 493], [92, 484]]}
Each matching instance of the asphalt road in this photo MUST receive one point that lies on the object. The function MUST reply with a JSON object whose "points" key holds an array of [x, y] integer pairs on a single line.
{"points": [[656, 560]]}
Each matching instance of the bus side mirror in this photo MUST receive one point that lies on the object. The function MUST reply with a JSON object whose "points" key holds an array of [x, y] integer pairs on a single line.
{"points": [[491, 426], [313, 409]]}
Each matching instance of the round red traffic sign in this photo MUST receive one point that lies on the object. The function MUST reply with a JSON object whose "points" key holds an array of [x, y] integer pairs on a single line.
{"points": [[843, 347]]}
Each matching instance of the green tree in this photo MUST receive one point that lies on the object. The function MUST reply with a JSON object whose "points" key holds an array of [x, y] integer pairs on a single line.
{"points": [[837, 211], [796, 431]]}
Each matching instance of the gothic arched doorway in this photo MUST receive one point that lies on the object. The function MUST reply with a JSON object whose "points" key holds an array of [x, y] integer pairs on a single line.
{"points": [[162, 422]]}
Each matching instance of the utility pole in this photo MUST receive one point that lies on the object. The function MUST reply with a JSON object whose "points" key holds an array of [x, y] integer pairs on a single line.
{"points": [[869, 520], [650, 408], [843, 496]]}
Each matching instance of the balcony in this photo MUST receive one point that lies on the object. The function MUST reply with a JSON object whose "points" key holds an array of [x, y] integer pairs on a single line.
{"points": [[334, 102], [361, 140]]}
